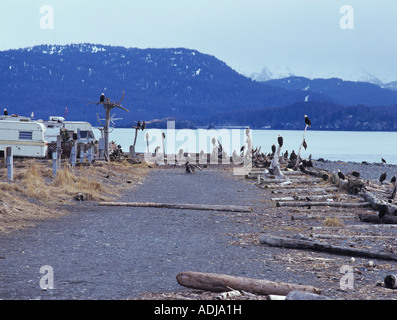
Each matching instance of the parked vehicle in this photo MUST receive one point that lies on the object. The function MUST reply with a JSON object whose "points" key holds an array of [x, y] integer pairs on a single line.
{"points": [[26, 137], [30, 138], [83, 129]]}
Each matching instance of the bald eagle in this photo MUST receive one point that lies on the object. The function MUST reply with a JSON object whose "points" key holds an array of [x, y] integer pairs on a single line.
{"points": [[293, 155], [356, 174], [273, 148], [382, 211], [382, 177], [101, 98], [341, 175], [280, 141], [307, 121], [304, 144], [5, 112]]}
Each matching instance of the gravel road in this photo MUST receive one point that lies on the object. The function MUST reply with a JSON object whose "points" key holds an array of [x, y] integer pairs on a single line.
{"points": [[116, 253]]}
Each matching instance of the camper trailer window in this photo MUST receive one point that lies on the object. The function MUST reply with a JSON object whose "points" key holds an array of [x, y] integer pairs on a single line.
{"points": [[25, 135]]}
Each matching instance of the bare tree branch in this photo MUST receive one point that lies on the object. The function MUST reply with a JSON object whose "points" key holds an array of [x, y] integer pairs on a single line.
{"points": [[100, 123]]}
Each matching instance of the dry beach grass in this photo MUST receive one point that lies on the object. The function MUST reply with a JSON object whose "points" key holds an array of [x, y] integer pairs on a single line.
{"points": [[35, 194]]}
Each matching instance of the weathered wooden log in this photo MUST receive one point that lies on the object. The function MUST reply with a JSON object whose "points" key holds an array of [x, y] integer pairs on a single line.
{"points": [[291, 187], [300, 295], [283, 189], [376, 203], [220, 283], [254, 176], [283, 199], [374, 218], [359, 226], [293, 173], [337, 236], [305, 198], [267, 180], [318, 246], [373, 199], [391, 281], [275, 297], [319, 217], [231, 208], [323, 203], [393, 193], [275, 164], [317, 173]]}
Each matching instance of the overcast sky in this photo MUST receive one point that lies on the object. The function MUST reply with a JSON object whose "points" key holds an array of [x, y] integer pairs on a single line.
{"points": [[302, 37]]}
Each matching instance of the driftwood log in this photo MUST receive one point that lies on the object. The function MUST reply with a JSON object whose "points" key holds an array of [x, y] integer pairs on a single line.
{"points": [[221, 283], [320, 173], [376, 202], [275, 164], [323, 203], [318, 246], [304, 197], [391, 281], [272, 179], [323, 191], [337, 236], [230, 208], [374, 218], [300, 295]]}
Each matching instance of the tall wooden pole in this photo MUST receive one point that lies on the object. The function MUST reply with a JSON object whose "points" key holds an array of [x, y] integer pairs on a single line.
{"points": [[10, 164], [107, 126], [298, 158], [163, 140], [108, 105]]}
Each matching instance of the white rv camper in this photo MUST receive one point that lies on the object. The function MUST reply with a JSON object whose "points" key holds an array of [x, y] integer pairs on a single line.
{"points": [[27, 138], [85, 130], [53, 128], [55, 124]]}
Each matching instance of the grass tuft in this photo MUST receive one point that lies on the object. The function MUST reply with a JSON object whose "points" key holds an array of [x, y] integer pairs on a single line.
{"points": [[333, 222]]}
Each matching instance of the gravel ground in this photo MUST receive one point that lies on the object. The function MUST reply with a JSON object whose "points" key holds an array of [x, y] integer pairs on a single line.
{"points": [[116, 253], [135, 253]]}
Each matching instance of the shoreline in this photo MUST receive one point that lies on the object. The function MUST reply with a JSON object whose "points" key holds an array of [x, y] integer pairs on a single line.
{"points": [[368, 171]]}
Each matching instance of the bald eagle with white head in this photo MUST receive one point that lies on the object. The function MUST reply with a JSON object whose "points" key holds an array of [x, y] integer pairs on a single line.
{"points": [[307, 121], [101, 98]]}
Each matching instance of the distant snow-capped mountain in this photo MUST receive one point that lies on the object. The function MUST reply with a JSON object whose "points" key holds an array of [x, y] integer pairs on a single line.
{"points": [[277, 72], [267, 74]]}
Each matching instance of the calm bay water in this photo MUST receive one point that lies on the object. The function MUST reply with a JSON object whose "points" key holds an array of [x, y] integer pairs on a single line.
{"points": [[330, 145]]}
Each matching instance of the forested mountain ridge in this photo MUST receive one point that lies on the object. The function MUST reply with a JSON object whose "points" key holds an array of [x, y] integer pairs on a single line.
{"points": [[176, 82]]}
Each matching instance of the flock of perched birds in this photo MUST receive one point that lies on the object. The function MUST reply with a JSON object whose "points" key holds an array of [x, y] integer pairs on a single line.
{"points": [[357, 174], [260, 159]]}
